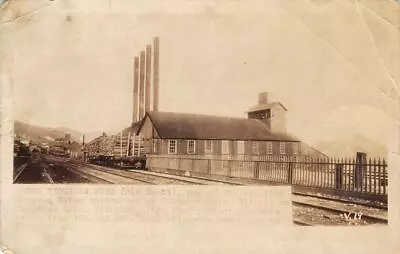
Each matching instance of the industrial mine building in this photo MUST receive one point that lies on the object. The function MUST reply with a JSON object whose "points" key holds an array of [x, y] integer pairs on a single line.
{"points": [[153, 132], [167, 133]]}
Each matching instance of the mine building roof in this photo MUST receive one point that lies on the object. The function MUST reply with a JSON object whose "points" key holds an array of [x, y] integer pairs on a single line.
{"points": [[260, 107], [171, 125]]}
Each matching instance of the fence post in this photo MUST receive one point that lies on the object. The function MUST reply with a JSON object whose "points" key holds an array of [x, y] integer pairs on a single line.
{"points": [[359, 170], [209, 166], [290, 173], [338, 176], [179, 163], [192, 169], [385, 176], [229, 167], [257, 170]]}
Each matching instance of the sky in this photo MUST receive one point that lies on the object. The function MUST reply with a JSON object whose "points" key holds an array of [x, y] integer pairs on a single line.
{"points": [[333, 64]]}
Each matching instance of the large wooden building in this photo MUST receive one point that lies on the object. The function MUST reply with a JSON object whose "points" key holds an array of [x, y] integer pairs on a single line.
{"points": [[166, 133], [262, 133]]}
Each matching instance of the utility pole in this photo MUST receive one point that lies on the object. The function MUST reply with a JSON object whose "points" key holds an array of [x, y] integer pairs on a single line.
{"points": [[120, 148], [127, 146]]}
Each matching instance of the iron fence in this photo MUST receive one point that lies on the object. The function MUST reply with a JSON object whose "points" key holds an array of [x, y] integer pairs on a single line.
{"points": [[345, 174]]}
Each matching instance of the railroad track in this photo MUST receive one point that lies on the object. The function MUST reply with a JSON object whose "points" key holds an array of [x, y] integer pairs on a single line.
{"points": [[189, 179], [19, 171], [335, 212], [89, 177], [47, 176], [169, 178], [136, 176], [215, 180], [374, 218], [147, 178], [110, 177], [374, 205]]}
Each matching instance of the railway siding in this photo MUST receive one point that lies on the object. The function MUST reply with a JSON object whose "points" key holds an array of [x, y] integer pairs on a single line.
{"points": [[379, 214], [149, 178], [113, 178], [90, 178], [161, 178], [185, 179], [19, 171]]}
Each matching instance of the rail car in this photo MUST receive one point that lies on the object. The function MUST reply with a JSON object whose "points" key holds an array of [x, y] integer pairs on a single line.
{"points": [[58, 153], [137, 162], [21, 149]]}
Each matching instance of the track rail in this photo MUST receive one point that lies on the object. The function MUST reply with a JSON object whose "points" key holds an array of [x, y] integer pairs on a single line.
{"points": [[157, 174], [122, 175], [116, 174], [88, 176], [47, 176], [125, 175], [371, 218], [341, 200], [171, 177], [215, 180], [167, 177], [19, 170]]}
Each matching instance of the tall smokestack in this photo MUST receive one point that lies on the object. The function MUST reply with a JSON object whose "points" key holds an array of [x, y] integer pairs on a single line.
{"points": [[141, 84], [135, 89], [148, 78], [156, 47]]}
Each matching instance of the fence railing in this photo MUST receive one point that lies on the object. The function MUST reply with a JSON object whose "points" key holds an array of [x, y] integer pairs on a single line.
{"points": [[369, 176]]}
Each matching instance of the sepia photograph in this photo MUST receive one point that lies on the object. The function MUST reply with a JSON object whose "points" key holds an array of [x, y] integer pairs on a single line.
{"points": [[116, 114], [233, 100]]}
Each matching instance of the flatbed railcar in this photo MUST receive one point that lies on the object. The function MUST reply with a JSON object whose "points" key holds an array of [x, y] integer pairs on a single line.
{"points": [[137, 162]]}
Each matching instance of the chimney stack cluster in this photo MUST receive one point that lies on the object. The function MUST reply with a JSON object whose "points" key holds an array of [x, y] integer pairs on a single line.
{"points": [[146, 73]]}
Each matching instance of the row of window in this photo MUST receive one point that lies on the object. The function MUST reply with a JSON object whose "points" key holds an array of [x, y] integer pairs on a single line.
{"points": [[208, 147]]}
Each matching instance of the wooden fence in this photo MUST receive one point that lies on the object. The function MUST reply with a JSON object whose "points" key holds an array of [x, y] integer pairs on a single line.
{"points": [[369, 177]]}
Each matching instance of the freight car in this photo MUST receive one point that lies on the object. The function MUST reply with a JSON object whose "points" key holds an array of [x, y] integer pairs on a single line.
{"points": [[137, 162]]}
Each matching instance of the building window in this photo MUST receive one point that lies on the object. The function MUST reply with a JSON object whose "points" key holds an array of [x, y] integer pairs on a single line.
{"points": [[295, 148], [240, 147], [208, 146], [255, 147], [282, 148], [191, 147], [268, 113], [269, 148], [225, 147], [172, 146], [154, 146]]}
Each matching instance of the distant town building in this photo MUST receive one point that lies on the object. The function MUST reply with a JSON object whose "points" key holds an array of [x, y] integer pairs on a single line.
{"points": [[64, 140], [65, 146]]}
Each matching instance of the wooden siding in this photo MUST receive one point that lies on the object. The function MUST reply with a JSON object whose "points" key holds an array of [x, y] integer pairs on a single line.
{"points": [[200, 147], [162, 147], [148, 131], [247, 147]]}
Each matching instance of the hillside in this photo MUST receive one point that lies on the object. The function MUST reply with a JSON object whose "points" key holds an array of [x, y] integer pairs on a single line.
{"points": [[44, 134], [348, 146]]}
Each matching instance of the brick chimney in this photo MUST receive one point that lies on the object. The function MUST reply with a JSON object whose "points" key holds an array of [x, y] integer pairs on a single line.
{"points": [[262, 98]]}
